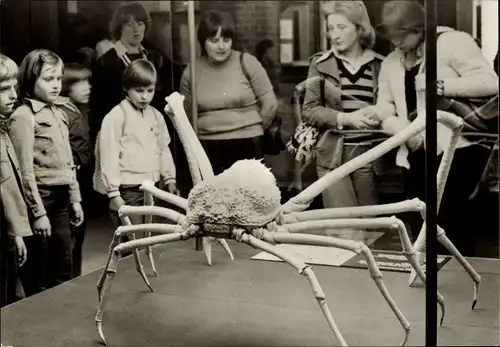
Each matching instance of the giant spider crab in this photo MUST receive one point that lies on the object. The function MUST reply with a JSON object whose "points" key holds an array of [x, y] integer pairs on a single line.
{"points": [[233, 205]]}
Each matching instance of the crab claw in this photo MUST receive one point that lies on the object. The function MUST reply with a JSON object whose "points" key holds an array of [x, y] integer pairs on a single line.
{"points": [[476, 292], [224, 245], [407, 335], [443, 311], [101, 333], [207, 247]]}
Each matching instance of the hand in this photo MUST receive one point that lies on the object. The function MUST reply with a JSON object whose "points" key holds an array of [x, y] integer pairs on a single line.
{"points": [[358, 120], [22, 253], [172, 188], [41, 226], [395, 124], [421, 84], [78, 214], [115, 203]]}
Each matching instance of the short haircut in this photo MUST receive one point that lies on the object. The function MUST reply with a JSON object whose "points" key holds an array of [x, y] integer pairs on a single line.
{"points": [[140, 73], [210, 23], [262, 47], [73, 73], [122, 15], [31, 68], [403, 16], [8, 68], [356, 13]]}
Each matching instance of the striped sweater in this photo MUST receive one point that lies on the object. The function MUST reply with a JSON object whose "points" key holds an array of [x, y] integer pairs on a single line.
{"points": [[357, 93]]}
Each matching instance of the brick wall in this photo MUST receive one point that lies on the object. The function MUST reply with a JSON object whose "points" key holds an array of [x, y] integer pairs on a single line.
{"points": [[254, 20]]}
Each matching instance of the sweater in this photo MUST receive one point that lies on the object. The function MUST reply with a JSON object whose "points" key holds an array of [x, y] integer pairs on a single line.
{"points": [[461, 66], [227, 102], [134, 148]]}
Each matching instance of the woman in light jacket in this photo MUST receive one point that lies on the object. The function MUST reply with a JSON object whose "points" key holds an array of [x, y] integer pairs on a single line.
{"points": [[341, 83], [463, 72]]}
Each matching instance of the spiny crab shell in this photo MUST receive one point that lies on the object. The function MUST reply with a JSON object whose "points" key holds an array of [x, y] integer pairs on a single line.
{"points": [[246, 194]]}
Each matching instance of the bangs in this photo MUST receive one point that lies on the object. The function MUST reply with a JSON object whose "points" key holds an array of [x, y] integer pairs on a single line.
{"points": [[226, 31], [140, 73], [8, 68], [74, 73]]}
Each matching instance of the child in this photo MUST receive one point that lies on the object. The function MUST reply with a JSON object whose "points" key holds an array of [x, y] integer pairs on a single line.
{"points": [[39, 132], [134, 142], [74, 102], [14, 222]]}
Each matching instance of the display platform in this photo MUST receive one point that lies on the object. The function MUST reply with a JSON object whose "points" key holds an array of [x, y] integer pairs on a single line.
{"points": [[249, 303]]}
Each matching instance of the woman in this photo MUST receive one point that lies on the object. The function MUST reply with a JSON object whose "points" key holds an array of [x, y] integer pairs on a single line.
{"points": [[235, 98], [129, 24], [340, 84], [463, 72]]}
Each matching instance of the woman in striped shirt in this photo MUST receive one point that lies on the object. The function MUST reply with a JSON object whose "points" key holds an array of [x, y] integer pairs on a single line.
{"points": [[341, 84]]}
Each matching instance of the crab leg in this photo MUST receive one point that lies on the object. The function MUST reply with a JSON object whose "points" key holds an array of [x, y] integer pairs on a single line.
{"points": [[301, 201], [198, 161], [149, 186], [114, 242], [148, 218], [354, 246], [374, 223], [442, 176], [112, 266], [414, 205], [303, 269]]}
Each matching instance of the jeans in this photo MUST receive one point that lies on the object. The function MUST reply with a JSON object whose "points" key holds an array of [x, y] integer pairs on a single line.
{"points": [[50, 260], [356, 189]]}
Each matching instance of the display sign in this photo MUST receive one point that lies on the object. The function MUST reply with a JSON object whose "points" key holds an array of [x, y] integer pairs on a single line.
{"points": [[389, 261]]}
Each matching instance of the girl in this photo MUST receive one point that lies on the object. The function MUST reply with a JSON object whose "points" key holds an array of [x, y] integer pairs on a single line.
{"points": [[341, 82], [463, 72], [39, 132], [76, 91], [234, 108], [134, 142]]}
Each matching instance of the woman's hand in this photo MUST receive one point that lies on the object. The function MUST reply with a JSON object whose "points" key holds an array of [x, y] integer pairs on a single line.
{"points": [[115, 203], [22, 253], [360, 120], [78, 214], [41, 226], [421, 84], [394, 125]]}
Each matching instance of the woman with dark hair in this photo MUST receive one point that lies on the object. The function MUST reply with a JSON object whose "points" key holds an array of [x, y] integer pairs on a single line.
{"points": [[463, 72], [264, 51], [236, 101], [129, 25]]}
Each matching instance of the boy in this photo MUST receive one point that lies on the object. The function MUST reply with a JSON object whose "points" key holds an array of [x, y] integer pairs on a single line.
{"points": [[134, 142], [13, 212], [74, 102]]}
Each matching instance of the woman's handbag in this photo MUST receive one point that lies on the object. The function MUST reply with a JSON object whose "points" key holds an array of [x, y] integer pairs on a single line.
{"points": [[305, 137]]}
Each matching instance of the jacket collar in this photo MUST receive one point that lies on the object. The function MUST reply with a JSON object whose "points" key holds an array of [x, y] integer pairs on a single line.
{"points": [[66, 102], [325, 64], [36, 105]]}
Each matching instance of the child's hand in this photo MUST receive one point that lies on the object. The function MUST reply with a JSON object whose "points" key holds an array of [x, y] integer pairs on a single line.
{"points": [[78, 214], [115, 203], [22, 253], [172, 188], [41, 226]]}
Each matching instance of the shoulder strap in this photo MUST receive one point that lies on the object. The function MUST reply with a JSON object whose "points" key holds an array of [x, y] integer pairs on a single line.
{"points": [[244, 68], [322, 91], [124, 116]]}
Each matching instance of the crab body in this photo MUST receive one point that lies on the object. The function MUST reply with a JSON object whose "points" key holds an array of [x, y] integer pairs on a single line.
{"points": [[244, 195]]}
